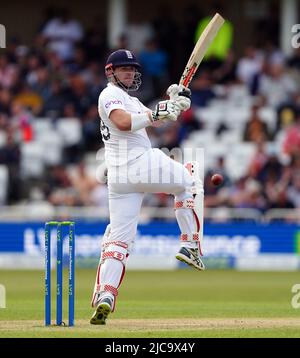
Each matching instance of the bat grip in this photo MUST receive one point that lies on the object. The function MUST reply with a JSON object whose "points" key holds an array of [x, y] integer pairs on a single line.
{"points": [[185, 93]]}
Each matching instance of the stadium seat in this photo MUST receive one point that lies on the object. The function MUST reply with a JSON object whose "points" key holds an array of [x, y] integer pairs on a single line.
{"points": [[210, 116], [238, 159], [236, 117], [70, 130], [202, 138], [231, 137], [41, 126], [213, 152], [268, 115], [53, 142], [32, 165], [238, 96]]}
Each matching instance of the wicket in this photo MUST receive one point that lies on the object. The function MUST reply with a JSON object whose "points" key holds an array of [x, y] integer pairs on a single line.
{"points": [[59, 271]]}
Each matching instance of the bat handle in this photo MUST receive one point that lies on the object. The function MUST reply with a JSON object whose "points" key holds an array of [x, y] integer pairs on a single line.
{"points": [[186, 92], [173, 92]]}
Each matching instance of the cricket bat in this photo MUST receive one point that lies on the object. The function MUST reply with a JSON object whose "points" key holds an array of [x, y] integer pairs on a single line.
{"points": [[200, 49]]}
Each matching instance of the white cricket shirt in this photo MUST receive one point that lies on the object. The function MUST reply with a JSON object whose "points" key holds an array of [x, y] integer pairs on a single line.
{"points": [[120, 146]]}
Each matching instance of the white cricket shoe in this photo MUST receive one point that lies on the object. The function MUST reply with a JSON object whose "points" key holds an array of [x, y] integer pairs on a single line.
{"points": [[190, 257], [104, 307]]}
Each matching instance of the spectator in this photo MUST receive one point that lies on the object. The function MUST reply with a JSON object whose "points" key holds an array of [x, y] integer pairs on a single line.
{"points": [[8, 72], [78, 94], [94, 42], [188, 124], [53, 106], [33, 64], [287, 112], [220, 169], [202, 91], [276, 85], [90, 130], [282, 200], [226, 72], [138, 33], [247, 194], [62, 34], [293, 192], [259, 160], [58, 187], [249, 66], [169, 136], [22, 121], [83, 184], [255, 128], [5, 101], [10, 156], [291, 144], [154, 63], [99, 195], [29, 99], [272, 168]]}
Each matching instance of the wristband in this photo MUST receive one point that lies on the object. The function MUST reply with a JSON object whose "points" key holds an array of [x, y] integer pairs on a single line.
{"points": [[140, 121]]}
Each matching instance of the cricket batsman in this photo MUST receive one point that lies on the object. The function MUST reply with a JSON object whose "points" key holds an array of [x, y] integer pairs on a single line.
{"points": [[135, 168]]}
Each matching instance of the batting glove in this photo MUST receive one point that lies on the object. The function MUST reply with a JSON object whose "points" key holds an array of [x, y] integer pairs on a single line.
{"points": [[180, 94], [166, 110]]}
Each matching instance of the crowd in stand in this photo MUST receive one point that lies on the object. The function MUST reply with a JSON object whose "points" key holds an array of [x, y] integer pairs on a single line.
{"points": [[62, 73]]}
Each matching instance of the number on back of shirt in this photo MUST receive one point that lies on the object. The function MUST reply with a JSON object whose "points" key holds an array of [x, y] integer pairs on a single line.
{"points": [[104, 130]]}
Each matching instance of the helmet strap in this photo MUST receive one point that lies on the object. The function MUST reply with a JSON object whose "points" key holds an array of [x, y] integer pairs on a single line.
{"points": [[119, 83]]}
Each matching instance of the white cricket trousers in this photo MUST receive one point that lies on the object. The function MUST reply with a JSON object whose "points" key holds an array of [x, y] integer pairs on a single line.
{"points": [[152, 172]]}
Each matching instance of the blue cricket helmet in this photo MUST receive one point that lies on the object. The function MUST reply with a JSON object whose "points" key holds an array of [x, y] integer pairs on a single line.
{"points": [[122, 58]]}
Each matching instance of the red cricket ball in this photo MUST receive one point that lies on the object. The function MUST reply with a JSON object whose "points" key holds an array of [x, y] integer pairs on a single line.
{"points": [[217, 179]]}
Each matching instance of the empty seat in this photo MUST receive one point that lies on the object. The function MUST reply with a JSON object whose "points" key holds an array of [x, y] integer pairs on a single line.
{"points": [[268, 115], [202, 138], [238, 95], [32, 164], [238, 159], [236, 117], [70, 130], [41, 126], [52, 142], [210, 116], [231, 137], [216, 150]]}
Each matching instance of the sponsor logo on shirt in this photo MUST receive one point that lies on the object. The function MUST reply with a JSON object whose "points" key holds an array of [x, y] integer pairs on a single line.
{"points": [[112, 102]]}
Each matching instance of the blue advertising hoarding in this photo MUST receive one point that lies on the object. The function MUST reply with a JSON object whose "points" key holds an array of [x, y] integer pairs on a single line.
{"points": [[156, 243]]}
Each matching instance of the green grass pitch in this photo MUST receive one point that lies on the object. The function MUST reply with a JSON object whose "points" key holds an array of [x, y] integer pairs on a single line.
{"points": [[182, 303]]}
